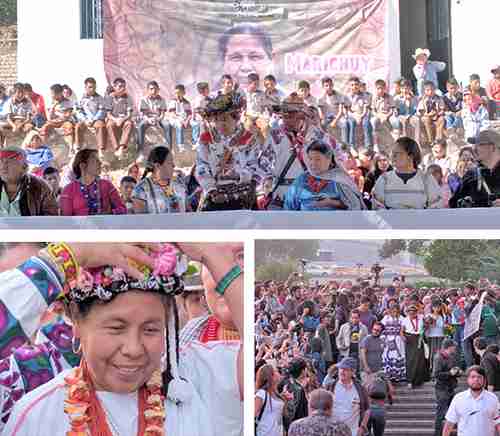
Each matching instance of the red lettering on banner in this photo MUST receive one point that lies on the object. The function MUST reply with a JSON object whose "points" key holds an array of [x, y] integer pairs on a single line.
{"points": [[300, 63], [292, 63]]}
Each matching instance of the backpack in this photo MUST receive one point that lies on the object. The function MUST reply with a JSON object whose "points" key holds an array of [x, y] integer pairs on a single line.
{"points": [[378, 388]]}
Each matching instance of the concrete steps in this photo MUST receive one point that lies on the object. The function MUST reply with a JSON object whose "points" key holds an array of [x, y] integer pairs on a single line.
{"points": [[413, 410]]}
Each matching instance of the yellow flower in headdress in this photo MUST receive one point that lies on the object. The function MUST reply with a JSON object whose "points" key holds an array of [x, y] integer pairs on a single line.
{"points": [[146, 270]]}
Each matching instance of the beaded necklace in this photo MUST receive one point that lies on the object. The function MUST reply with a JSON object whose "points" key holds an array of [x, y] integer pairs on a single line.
{"points": [[87, 415], [166, 187], [92, 196]]}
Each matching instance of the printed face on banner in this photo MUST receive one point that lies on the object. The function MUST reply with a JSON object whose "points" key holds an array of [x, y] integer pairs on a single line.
{"points": [[188, 41]]}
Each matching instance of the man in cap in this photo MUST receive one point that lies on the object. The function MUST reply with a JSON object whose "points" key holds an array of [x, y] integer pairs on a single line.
{"points": [[22, 194], [349, 396], [445, 372], [319, 422], [481, 185]]}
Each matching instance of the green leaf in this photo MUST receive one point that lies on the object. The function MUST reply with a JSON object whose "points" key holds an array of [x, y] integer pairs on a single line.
{"points": [[191, 270]]}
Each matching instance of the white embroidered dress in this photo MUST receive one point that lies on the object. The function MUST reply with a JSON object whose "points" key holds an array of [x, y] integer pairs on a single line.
{"points": [[41, 413]]}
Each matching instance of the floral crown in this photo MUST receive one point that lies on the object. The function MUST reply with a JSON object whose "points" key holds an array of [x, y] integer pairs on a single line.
{"points": [[107, 282]]}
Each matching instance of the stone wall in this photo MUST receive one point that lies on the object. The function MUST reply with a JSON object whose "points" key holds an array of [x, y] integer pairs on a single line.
{"points": [[8, 55]]}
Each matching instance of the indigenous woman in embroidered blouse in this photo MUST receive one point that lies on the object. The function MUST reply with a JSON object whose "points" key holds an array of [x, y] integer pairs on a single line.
{"points": [[416, 360], [325, 185], [158, 191], [227, 163], [406, 186], [124, 321], [89, 194]]}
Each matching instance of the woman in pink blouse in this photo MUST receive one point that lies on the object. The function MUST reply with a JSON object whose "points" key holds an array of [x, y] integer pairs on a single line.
{"points": [[89, 194]]}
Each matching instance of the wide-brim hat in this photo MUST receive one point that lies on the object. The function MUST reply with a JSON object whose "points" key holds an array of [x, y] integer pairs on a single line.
{"points": [[422, 51], [292, 103], [222, 103]]}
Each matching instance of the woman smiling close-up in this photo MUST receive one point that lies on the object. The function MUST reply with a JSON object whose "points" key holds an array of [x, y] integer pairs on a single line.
{"points": [[121, 368]]}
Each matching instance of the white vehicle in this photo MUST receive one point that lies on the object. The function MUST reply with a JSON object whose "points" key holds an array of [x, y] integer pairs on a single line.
{"points": [[317, 270]]}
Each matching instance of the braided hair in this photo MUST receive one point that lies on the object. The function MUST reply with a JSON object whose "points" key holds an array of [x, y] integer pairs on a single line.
{"points": [[172, 340]]}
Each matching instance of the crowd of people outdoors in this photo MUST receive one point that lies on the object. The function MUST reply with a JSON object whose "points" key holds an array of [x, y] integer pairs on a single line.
{"points": [[110, 341], [255, 148], [357, 341]]}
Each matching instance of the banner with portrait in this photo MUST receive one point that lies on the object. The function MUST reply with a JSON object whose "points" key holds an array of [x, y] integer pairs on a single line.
{"points": [[191, 41]]}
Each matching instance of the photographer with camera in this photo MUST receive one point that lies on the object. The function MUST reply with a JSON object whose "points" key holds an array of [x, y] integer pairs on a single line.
{"points": [[481, 186], [446, 373]]}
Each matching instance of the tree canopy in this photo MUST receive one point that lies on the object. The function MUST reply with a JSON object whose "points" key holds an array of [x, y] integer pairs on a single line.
{"points": [[8, 12], [451, 259]]}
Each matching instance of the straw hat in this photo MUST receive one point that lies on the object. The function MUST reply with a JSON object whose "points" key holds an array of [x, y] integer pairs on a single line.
{"points": [[422, 51]]}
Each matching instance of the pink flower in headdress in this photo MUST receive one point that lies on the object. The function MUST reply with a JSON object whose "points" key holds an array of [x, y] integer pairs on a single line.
{"points": [[165, 261], [98, 278], [85, 280]]}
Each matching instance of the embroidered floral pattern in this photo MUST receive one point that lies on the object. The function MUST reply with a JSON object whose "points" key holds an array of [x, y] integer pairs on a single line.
{"points": [[105, 283]]}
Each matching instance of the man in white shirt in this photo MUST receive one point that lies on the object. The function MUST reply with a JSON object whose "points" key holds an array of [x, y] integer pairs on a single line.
{"points": [[475, 411], [255, 98], [304, 91], [179, 115], [330, 103]]}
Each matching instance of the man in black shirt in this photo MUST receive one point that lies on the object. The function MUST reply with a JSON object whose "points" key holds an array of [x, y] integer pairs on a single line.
{"points": [[490, 363], [445, 373], [481, 186], [297, 407]]}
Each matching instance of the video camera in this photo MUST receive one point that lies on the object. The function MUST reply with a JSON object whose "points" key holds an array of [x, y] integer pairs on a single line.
{"points": [[469, 201]]}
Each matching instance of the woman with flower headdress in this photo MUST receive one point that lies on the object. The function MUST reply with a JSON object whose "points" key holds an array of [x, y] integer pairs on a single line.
{"points": [[124, 320], [325, 185], [227, 164]]}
